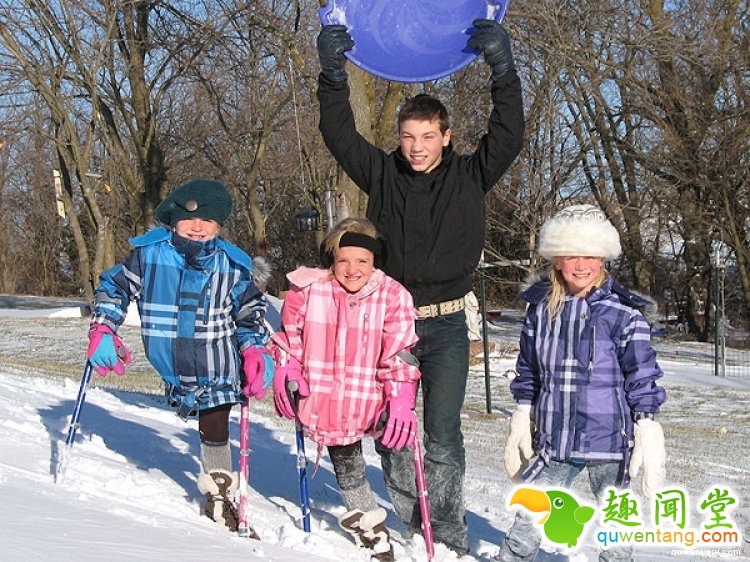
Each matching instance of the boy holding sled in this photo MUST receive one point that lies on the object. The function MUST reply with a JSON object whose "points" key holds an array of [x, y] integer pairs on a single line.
{"points": [[202, 324], [429, 202]]}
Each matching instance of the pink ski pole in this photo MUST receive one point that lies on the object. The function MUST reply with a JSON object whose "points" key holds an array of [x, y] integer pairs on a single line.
{"points": [[424, 500], [243, 527]]}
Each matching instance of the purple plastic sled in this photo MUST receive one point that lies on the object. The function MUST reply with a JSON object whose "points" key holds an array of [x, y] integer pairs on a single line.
{"points": [[411, 40]]}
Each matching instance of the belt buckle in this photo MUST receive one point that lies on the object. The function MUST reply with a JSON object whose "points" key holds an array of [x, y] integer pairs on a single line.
{"points": [[440, 309], [427, 311], [449, 307]]}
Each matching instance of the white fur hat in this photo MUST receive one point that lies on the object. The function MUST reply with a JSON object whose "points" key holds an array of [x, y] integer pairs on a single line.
{"points": [[579, 230]]}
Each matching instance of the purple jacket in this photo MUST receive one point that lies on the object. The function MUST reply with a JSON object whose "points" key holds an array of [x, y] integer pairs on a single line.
{"points": [[585, 374]]}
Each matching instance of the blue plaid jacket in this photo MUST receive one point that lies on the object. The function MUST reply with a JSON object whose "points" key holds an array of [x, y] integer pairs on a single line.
{"points": [[585, 373], [197, 314]]}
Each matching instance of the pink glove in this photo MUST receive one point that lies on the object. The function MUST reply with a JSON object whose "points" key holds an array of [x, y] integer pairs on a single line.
{"points": [[106, 351], [258, 368], [286, 374], [401, 428]]}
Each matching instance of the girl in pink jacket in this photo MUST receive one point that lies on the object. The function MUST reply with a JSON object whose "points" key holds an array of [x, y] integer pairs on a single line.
{"points": [[345, 340]]}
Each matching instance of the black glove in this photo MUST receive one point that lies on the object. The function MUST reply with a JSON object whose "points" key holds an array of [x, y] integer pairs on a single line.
{"points": [[493, 40], [333, 40]]}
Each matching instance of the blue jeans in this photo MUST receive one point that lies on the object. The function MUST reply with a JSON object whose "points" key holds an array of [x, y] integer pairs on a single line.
{"points": [[443, 353], [524, 537]]}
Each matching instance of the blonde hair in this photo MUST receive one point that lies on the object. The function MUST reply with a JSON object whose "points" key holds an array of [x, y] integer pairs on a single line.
{"points": [[560, 289], [351, 224]]}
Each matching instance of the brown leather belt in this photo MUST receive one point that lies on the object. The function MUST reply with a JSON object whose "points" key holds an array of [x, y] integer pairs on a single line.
{"points": [[440, 309]]}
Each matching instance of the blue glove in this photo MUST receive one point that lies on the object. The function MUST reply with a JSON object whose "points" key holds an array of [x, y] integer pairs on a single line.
{"points": [[333, 41], [106, 352], [493, 40], [258, 367]]}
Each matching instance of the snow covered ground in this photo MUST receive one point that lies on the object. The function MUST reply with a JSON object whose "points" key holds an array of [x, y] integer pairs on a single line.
{"points": [[130, 494]]}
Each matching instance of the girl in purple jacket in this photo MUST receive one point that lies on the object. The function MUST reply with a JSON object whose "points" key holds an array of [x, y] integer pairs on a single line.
{"points": [[586, 388]]}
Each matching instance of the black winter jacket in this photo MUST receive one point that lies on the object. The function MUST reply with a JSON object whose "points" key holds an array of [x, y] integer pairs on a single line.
{"points": [[434, 222]]}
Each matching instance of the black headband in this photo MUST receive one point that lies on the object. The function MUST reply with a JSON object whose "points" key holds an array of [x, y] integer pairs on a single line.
{"points": [[375, 245], [361, 241]]}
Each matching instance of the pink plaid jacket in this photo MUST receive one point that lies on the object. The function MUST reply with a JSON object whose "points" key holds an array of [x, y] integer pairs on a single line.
{"points": [[347, 345]]}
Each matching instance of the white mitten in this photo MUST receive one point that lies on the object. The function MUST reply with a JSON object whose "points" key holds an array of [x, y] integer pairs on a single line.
{"points": [[649, 453], [518, 449]]}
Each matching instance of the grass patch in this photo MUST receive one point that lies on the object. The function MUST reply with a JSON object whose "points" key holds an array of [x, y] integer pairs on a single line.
{"points": [[136, 380]]}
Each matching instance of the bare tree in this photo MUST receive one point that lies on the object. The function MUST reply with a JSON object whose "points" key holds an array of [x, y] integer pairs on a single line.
{"points": [[47, 69], [640, 108], [656, 102], [694, 91], [103, 71]]}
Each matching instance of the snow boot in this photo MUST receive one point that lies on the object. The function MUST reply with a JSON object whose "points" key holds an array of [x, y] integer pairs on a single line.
{"points": [[219, 487], [369, 531]]}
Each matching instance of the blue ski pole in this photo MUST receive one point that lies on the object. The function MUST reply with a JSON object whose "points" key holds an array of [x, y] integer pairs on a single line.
{"points": [[64, 456], [301, 462]]}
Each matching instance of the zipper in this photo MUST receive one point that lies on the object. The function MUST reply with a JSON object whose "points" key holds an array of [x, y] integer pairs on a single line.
{"points": [[623, 429], [208, 302]]}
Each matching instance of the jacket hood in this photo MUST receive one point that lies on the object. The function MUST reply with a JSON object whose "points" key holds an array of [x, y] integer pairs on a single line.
{"points": [[261, 272], [535, 287], [538, 290], [305, 276], [644, 303], [538, 285]]}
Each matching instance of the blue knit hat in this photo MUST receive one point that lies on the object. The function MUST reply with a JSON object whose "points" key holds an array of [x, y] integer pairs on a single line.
{"points": [[197, 199]]}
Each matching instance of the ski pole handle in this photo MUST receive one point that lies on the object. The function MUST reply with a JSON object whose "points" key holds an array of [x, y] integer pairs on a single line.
{"points": [[291, 388]]}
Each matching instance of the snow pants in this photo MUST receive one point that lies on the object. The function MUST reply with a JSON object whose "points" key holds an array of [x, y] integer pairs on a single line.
{"points": [[443, 353], [349, 466]]}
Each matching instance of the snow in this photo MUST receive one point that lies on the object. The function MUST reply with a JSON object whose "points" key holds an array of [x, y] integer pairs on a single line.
{"points": [[129, 492]]}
